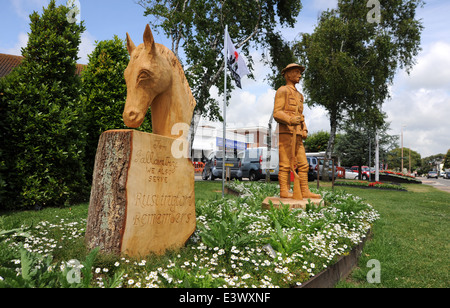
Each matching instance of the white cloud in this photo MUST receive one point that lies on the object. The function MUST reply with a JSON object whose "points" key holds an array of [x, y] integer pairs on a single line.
{"points": [[424, 114], [24, 8], [421, 102], [22, 41], [316, 119], [432, 70], [322, 5], [87, 46]]}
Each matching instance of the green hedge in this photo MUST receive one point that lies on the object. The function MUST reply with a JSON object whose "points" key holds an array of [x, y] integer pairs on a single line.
{"points": [[43, 134]]}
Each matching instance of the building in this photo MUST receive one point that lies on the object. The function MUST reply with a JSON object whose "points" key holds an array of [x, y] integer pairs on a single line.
{"points": [[209, 138], [10, 62], [256, 136]]}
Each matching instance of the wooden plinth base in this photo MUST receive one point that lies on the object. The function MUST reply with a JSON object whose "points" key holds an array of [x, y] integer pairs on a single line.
{"points": [[293, 204], [142, 198]]}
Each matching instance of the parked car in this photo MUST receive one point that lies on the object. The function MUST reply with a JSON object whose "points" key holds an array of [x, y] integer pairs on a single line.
{"points": [[214, 163], [351, 174], [432, 174], [447, 175], [316, 164], [254, 163], [365, 172], [313, 162]]}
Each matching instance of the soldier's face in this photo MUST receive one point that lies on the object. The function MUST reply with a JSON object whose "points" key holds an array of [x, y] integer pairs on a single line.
{"points": [[294, 75]]}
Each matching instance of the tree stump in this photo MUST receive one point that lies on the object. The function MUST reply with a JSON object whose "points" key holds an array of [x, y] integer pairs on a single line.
{"points": [[142, 198]]}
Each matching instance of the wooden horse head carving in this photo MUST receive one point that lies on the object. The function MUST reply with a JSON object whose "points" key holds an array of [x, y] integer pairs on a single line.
{"points": [[155, 79]]}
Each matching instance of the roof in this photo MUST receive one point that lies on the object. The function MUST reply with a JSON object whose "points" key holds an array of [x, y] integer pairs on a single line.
{"points": [[9, 62]]}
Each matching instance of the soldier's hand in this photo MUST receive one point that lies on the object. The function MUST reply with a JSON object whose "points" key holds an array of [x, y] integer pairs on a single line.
{"points": [[297, 120]]}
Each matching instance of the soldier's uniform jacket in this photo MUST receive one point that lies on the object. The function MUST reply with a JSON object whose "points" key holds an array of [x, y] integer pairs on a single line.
{"points": [[288, 103]]}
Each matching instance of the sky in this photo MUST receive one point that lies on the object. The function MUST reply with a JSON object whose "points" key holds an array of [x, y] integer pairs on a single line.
{"points": [[419, 104]]}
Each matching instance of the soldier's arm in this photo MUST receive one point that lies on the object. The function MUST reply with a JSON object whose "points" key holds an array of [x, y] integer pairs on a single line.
{"points": [[279, 113], [304, 128]]}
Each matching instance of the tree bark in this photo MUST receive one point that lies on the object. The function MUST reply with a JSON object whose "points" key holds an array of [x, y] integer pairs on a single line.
{"points": [[107, 209], [330, 147]]}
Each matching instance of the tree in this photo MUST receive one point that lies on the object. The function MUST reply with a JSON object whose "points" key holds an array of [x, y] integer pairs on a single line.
{"points": [[42, 132], [351, 61], [104, 94], [394, 159], [447, 160], [197, 26], [356, 146], [317, 142], [430, 163]]}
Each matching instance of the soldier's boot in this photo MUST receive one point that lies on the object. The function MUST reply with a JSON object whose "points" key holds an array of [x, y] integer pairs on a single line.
{"points": [[285, 184], [306, 193]]}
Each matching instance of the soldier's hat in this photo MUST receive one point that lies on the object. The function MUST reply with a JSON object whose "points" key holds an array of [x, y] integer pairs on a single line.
{"points": [[291, 66]]}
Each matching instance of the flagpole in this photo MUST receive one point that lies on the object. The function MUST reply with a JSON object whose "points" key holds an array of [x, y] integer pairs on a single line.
{"points": [[224, 112]]}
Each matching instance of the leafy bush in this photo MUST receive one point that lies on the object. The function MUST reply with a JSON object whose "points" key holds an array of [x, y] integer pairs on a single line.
{"points": [[41, 119], [38, 271], [104, 93]]}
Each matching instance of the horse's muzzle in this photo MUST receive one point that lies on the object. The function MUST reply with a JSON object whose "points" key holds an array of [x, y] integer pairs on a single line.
{"points": [[132, 118]]}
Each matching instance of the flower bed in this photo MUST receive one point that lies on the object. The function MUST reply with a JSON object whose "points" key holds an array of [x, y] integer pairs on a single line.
{"points": [[374, 185], [390, 176], [236, 244]]}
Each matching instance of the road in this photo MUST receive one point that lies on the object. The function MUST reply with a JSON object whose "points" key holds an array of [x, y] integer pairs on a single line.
{"points": [[440, 183]]}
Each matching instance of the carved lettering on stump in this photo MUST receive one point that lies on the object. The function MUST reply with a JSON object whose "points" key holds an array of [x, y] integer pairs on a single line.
{"points": [[142, 198]]}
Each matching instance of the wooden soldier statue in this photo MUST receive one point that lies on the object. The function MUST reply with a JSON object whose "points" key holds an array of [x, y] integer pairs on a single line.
{"points": [[288, 112]]}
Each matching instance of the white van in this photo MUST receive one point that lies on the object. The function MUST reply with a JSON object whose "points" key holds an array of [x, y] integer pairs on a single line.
{"points": [[254, 163]]}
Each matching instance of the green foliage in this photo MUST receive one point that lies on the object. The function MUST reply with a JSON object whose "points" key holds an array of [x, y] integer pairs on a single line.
{"points": [[286, 243], [19, 232], [198, 28], [317, 142], [281, 239], [41, 120], [394, 159], [194, 279], [351, 62], [104, 94], [429, 163], [227, 250], [370, 184], [228, 228], [447, 160], [39, 271], [283, 217], [34, 272], [357, 140]]}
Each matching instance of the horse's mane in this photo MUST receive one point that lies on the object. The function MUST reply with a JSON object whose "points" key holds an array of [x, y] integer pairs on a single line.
{"points": [[177, 65]]}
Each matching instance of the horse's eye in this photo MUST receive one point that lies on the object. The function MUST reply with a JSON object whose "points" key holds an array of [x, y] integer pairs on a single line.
{"points": [[144, 75]]}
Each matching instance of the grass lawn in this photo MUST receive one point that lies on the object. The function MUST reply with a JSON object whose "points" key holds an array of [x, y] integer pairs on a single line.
{"points": [[410, 240]]}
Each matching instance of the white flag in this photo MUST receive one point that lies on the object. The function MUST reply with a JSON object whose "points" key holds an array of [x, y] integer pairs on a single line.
{"points": [[236, 63]]}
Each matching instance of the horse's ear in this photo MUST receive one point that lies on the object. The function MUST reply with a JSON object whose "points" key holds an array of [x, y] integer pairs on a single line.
{"points": [[149, 41], [130, 45]]}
